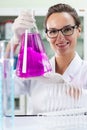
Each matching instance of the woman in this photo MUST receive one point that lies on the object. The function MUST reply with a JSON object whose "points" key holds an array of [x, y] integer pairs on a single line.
{"points": [[62, 27]]}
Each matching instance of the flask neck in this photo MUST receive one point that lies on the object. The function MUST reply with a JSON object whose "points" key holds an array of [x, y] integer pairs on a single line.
{"points": [[33, 29]]}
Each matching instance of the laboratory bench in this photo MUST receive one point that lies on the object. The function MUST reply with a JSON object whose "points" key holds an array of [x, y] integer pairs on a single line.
{"points": [[77, 122]]}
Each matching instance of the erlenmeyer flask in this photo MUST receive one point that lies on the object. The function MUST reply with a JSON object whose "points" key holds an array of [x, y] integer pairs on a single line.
{"points": [[32, 57]]}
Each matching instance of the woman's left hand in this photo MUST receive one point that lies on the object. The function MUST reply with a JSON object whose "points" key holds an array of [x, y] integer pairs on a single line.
{"points": [[74, 92]]}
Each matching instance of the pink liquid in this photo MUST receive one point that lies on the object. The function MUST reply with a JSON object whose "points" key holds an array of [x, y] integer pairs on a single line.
{"points": [[37, 61]]}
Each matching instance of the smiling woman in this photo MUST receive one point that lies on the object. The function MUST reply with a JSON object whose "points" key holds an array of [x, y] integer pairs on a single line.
{"points": [[68, 29]]}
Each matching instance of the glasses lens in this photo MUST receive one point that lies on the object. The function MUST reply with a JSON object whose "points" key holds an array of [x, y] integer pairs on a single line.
{"points": [[68, 30], [52, 33]]}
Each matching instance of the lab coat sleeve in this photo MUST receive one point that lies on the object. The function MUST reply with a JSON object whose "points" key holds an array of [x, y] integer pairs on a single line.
{"points": [[21, 86]]}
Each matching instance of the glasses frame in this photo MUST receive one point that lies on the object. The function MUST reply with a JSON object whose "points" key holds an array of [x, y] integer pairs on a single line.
{"points": [[61, 30]]}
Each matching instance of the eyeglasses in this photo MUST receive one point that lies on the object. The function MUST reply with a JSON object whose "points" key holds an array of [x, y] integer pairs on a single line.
{"points": [[66, 31]]}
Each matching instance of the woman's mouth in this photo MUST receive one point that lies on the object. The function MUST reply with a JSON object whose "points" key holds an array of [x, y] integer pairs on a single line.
{"points": [[62, 45]]}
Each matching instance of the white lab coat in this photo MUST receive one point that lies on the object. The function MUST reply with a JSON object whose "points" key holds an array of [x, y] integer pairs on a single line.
{"points": [[44, 94], [76, 73]]}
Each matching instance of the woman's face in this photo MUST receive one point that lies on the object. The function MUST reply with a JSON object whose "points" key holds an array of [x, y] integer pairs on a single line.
{"points": [[61, 44]]}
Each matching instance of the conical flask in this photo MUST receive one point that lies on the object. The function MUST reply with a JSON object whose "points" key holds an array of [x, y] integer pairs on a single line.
{"points": [[32, 58]]}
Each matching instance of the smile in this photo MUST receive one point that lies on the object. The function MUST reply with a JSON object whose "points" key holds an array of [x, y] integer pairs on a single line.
{"points": [[62, 45]]}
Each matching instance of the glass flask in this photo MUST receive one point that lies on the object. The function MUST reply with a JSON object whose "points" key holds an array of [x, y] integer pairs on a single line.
{"points": [[32, 57]]}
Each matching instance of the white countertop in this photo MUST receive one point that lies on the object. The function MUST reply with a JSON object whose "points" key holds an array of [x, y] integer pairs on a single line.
{"points": [[47, 123]]}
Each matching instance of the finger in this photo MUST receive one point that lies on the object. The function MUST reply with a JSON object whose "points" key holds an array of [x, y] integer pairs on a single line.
{"points": [[75, 92], [28, 15]]}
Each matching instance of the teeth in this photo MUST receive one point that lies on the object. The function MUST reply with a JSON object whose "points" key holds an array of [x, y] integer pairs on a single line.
{"points": [[62, 44]]}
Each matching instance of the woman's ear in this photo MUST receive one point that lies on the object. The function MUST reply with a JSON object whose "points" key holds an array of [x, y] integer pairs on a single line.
{"points": [[79, 31]]}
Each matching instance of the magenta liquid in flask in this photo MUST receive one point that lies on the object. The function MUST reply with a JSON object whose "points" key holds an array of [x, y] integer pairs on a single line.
{"points": [[37, 62]]}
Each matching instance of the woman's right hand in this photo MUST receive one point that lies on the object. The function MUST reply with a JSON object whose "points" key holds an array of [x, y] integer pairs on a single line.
{"points": [[21, 23]]}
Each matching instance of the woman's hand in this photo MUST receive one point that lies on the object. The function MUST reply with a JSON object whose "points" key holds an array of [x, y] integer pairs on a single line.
{"points": [[74, 92], [21, 23]]}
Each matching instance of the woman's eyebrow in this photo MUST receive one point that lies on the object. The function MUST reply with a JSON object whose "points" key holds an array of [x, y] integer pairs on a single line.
{"points": [[60, 28]]}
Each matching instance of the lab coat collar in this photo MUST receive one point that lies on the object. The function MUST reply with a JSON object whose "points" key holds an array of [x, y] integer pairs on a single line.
{"points": [[72, 69], [53, 63]]}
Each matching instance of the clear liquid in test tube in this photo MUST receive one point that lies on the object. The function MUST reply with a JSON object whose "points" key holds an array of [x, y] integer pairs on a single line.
{"points": [[6, 87]]}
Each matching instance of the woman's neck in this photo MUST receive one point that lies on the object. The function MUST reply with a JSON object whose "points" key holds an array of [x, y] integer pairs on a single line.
{"points": [[62, 62]]}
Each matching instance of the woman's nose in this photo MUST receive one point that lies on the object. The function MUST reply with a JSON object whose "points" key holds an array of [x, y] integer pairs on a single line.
{"points": [[60, 36]]}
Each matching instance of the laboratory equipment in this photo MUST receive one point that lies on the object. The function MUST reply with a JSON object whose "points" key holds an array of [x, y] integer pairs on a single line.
{"points": [[32, 58], [6, 85]]}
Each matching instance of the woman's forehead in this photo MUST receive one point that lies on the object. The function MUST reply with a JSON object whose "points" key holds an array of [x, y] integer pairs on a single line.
{"points": [[60, 19]]}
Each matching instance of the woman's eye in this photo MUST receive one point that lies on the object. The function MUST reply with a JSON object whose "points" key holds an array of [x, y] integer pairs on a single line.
{"points": [[53, 31], [67, 29]]}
